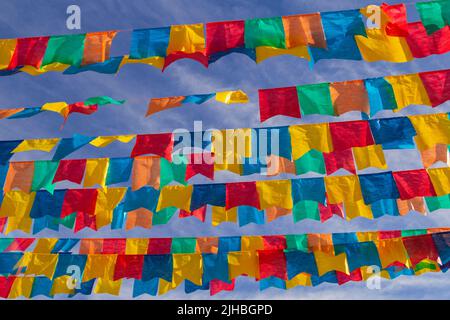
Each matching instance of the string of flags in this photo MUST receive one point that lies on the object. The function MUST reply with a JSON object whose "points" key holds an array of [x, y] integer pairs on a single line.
{"points": [[425, 131], [316, 36], [158, 172], [347, 196], [64, 109], [158, 265], [227, 97], [368, 96]]}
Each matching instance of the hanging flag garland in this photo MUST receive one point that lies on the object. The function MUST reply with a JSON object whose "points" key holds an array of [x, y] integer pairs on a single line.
{"points": [[309, 36], [214, 263], [347, 196], [304, 141], [62, 108]]}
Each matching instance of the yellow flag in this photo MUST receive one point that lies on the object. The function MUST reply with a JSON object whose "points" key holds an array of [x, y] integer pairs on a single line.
{"points": [[263, 52], [165, 286], [136, 246], [52, 67], [343, 189], [440, 177], [59, 107], [302, 279], [431, 129], [367, 236], [327, 262], [107, 200], [369, 156], [157, 62], [7, 48], [220, 215], [189, 38], [310, 136], [230, 97], [99, 266], [252, 243], [243, 263], [357, 209], [21, 287], [45, 245], [45, 145], [187, 266], [391, 251], [175, 196], [103, 141], [378, 46], [60, 286], [108, 286], [408, 90], [275, 193], [96, 170], [41, 264], [17, 204]]}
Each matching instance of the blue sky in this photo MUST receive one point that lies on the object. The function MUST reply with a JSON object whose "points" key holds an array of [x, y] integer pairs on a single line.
{"points": [[138, 83]]}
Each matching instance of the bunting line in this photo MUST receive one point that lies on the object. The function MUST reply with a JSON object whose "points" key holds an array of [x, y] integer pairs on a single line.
{"points": [[87, 107], [349, 196], [160, 265], [309, 36], [295, 142]]}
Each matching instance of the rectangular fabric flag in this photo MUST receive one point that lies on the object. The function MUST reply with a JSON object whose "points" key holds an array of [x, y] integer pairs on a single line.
{"points": [[349, 96], [304, 30], [264, 32], [97, 46], [65, 49], [315, 99], [414, 183], [29, 52], [278, 101]]}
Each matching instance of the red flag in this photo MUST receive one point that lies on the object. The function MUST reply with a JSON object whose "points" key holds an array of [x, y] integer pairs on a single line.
{"points": [[420, 248], [79, 200], [197, 165], [70, 170], [274, 242], [29, 52], [355, 275], [389, 234], [160, 144], [159, 246], [199, 213], [350, 134], [223, 36], [423, 45], [437, 84], [215, 286], [129, 266], [414, 183], [85, 220], [114, 246], [80, 107], [5, 286], [196, 56], [272, 263], [398, 23], [327, 212], [340, 159], [278, 101], [242, 194]]}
